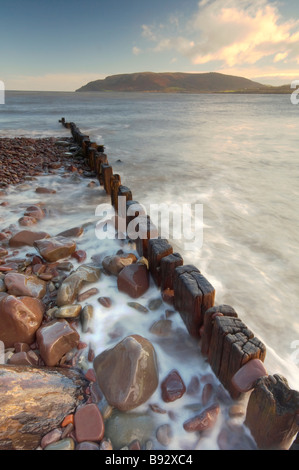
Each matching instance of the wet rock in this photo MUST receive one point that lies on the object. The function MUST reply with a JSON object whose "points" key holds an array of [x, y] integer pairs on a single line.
{"points": [[89, 293], [27, 221], [164, 434], [245, 378], [68, 311], [133, 280], [42, 190], [114, 264], [162, 328], [140, 308], [35, 211], [2, 286], [123, 428], [56, 248], [55, 339], [74, 232], [106, 444], [51, 437], [22, 285], [26, 238], [155, 304], [71, 286], [80, 255], [86, 318], [172, 387], [24, 358], [64, 444], [127, 374], [204, 421], [105, 301], [89, 424], [20, 318], [20, 347], [207, 393]]}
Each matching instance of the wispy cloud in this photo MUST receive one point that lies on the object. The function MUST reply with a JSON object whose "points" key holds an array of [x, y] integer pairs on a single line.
{"points": [[230, 33]]}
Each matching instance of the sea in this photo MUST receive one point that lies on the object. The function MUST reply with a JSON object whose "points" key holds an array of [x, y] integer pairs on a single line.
{"points": [[233, 155]]}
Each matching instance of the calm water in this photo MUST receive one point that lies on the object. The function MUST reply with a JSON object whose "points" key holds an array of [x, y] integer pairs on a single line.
{"points": [[236, 155]]}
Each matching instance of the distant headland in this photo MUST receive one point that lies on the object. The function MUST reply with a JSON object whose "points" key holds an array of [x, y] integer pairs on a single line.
{"points": [[177, 82]]}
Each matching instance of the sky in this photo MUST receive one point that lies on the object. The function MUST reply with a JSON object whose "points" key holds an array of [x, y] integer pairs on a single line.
{"points": [[60, 45]]}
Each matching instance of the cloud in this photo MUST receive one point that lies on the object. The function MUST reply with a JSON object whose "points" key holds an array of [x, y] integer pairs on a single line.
{"points": [[136, 50], [229, 32]]}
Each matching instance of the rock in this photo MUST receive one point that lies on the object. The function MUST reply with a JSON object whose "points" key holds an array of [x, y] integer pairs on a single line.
{"points": [[89, 293], [80, 255], [89, 446], [51, 437], [123, 428], [42, 190], [172, 387], [24, 358], [204, 421], [207, 393], [89, 424], [114, 264], [71, 286], [155, 304], [245, 378], [68, 311], [64, 444], [55, 339], [86, 318], [127, 374], [27, 221], [41, 398], [162, 328], [22, 285], [35, 211], [105, 301], [26, 238], [74, 232], [55, 248], [140, 308], [164, 434], [20, 318], [133, 280]]}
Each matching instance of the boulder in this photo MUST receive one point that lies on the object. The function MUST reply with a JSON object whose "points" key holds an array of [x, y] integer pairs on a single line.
{"points": [[133, 280], [26, 238], [114, 264], [70, 287], [23, 285], [55, 339], [127, 374], [20, 318], [55, 248]]}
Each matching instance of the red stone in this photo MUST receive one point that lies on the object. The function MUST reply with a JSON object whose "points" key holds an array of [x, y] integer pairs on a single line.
{"points": [[247, 375], [172, 387], [133, 280], [89, 424], [79, 255], [204, 421]]}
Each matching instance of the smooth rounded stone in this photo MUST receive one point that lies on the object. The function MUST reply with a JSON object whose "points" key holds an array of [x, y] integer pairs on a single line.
{"points": [[123, 428], [51, 437], [207, 393], [24, 358], [43, 190], [245, 378], [3, 252], [140, 308], [164, 434], [128, 374], [62, 143], [194, 386], [204, 421], [105, 301], [2, 286], [64, 444], [21, 347], [22, 285], [133, 280], [68, 311], [35, 211], [55, 248], [86, 318], [135, 445], [88, 446], [70, 287], [55, 339], [26, 238], [162, 328], [106, 444], [20, 318], [172, 387], [89, 293], [27, 221], [155, 304], [114, 264], [89, 424]]}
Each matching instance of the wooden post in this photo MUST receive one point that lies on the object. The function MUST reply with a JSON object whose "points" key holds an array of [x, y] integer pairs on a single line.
{"points": [[158, 248], [107, 173], [272, 413], [167, 269]]}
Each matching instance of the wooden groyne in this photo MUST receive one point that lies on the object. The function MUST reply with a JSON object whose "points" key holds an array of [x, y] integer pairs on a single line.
{"points": [[234, 353]]}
